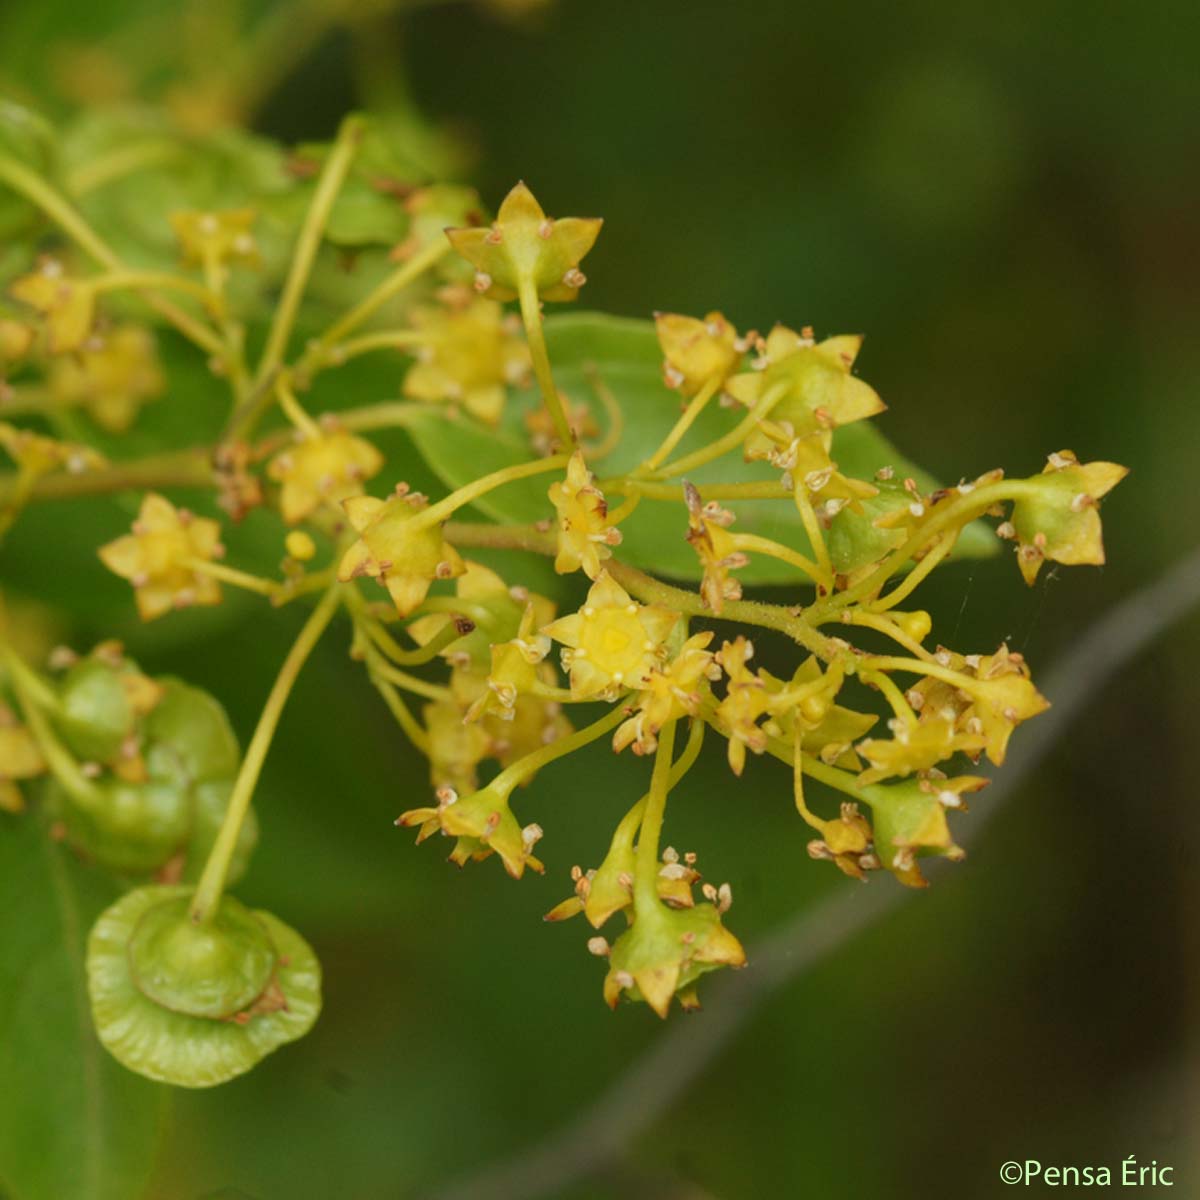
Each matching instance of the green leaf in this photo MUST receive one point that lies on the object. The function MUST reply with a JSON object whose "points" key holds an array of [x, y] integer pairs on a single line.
{"points": [[591, 352], [74, 1125]]}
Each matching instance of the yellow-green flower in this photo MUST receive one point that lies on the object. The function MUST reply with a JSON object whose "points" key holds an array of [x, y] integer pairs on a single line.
{"points": [[111, 376], [665, 951], [585, 534], [709, 536], [1060, 521], [745, 704], [524, 246], [159, 558], [67, 305], [672, 691], [697, 353], [395, 547], [467, 356], [818, 393], [216, 239], [322, 470], [613, 643]]}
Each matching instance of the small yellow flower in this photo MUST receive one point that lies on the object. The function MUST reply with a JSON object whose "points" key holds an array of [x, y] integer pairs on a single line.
{"points": [[671, 692], [746, 703], [216, 239], [394, 546], [819, 393], [613, 643], [158, 556], [20, 758], [1004, 696], [697, 353], [484, 824], [916, 748], [827, 729], [709, 536], [1061, 521], [585, 536], [467, 356], [322, 470], [111, 376], [38, 455], [845, 841], [524, 246], [68, 305]]}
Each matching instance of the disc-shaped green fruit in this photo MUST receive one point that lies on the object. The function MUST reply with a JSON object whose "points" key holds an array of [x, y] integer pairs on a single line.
{"points": [[95, 715], [191, 1051], [214, 969], [192, 723], [133, 828]]}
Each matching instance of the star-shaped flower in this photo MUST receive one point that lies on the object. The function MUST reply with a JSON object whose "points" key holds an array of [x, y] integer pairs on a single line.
{"points": [[396, 547], [158, 558], [322, 470], [468, 356], [708, 534], [1060, 520], [613, 643], [68, 305], [697, 353], [111, 376], [585, 535], [672, 691], [216, 239], [524, 247]]}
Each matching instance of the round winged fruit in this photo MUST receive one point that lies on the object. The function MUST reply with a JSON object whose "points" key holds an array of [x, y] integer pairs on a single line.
{"points": [[197, 1003]]}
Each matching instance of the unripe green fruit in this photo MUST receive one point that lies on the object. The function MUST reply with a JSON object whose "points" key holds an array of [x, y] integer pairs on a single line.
{"points": [[133, 828], [212, 970], [95, 715], [143, 949], [194, 725]]}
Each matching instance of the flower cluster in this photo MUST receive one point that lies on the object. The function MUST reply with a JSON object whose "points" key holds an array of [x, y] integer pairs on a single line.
{"points": [[677, 466]]}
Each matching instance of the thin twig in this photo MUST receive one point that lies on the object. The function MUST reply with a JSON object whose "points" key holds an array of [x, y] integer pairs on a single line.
{"points": [[600, 1134]]}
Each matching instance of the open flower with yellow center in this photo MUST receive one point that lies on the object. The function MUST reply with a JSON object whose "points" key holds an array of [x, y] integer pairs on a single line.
{"points": [[396, 547], [817, 392], [697, 353], [20, 758], [468, 356], [585, 535], [671, 692], [709, 536], [111, 376], [67, 305], [613, 643], [163, 558], [525, 247], [1060, 519], [322, 470]]}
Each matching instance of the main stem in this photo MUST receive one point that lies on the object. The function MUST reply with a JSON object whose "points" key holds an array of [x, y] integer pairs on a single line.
{"points": [[212, 881]]}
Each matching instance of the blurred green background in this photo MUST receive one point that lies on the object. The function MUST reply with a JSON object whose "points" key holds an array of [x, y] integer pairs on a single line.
{"points": [[1004, 199]]}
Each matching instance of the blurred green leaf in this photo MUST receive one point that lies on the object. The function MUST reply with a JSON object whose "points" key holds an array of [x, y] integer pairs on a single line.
{"points": [[74, 1125], [591, 352]]}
